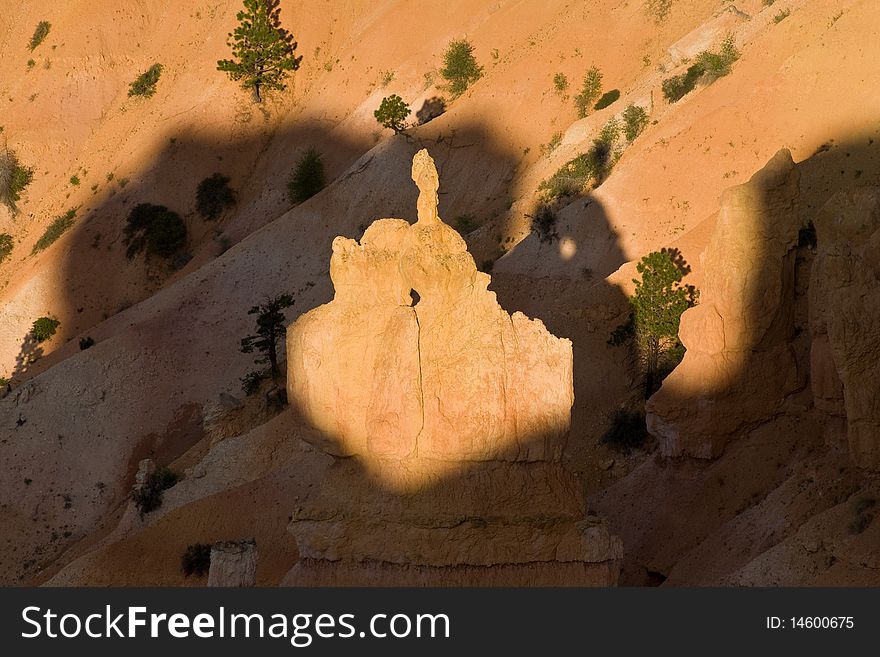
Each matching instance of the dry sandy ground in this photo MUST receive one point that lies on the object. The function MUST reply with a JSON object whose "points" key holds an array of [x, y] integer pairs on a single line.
{"points": [[167, 339]]}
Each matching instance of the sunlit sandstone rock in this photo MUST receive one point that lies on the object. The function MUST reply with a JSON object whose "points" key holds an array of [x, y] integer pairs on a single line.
{"points": [[456, 414]]}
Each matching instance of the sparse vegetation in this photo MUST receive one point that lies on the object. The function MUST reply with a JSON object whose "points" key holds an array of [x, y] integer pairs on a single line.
{"points": [[594, 165], [387, 77], [263, 52], [154, 228], [717, 65], [148, 497], [465, 223], [781, 16], [307, 178], [31, 63], [460, 68], [658, 10], [544, 223], [14, 178], [607, 99], [55, 230], [767, 3], [145, 84], [392, 113], [44, 328], [863, 511], [560, 83], [709, 67], [196, 560], [678, 86], [589, 92], [657, 305], [270, 329], [214, 196], [627, 429], [553, 144], [6, 246], [40, 34], [251, 382], [635, 120]]}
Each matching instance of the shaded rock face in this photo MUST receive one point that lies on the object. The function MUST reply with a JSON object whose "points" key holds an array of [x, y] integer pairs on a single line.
{"points": [[233, 564], [845, 293], [739, 365], [456, 413]]}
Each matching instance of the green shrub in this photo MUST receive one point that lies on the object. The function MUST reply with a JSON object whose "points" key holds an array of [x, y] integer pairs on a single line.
{"points": [[709, 66], [251, 382], [55, 230], [154, 228], [627, 429], [86, 343], [213, 196], [148, 497], [145, 84], [781, 16], [196, 560], [307, 178], [573, 176], [44, 328], [14, 178], [544, 224], [460, 68], [560, 83], [40, 34], [717, 65], [678, 86], [31, 63], [767, 3], [607, 99], [590, 91], [553, 144], [392, 113], [74, 180], [5, 246], [635, 120]]}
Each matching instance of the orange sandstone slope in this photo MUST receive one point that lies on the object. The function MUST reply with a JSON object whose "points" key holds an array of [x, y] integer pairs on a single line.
{"points": [[76, 422]]}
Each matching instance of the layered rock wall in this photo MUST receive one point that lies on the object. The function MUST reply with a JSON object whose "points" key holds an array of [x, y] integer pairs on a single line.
{"points": [[845, 292]]}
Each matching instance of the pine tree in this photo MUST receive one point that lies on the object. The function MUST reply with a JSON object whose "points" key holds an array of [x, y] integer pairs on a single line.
{"points": [[657, 305], [392, 113], [270, 328], [263, 51]]}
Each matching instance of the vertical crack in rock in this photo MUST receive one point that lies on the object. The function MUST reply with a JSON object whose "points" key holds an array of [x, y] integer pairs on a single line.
{"points": [[455, 414]]}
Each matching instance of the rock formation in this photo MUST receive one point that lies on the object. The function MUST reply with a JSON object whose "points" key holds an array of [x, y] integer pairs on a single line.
{"points": [[233, 564], [739, 365], [455, 413], [845, 297]]}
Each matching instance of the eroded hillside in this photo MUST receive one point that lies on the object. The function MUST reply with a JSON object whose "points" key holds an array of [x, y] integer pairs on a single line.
{"points": [[76, 422]]}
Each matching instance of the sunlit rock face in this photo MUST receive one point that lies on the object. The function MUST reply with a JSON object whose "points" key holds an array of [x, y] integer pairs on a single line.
{"points": [[456, 414], [845, 295], [739, 365]]}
